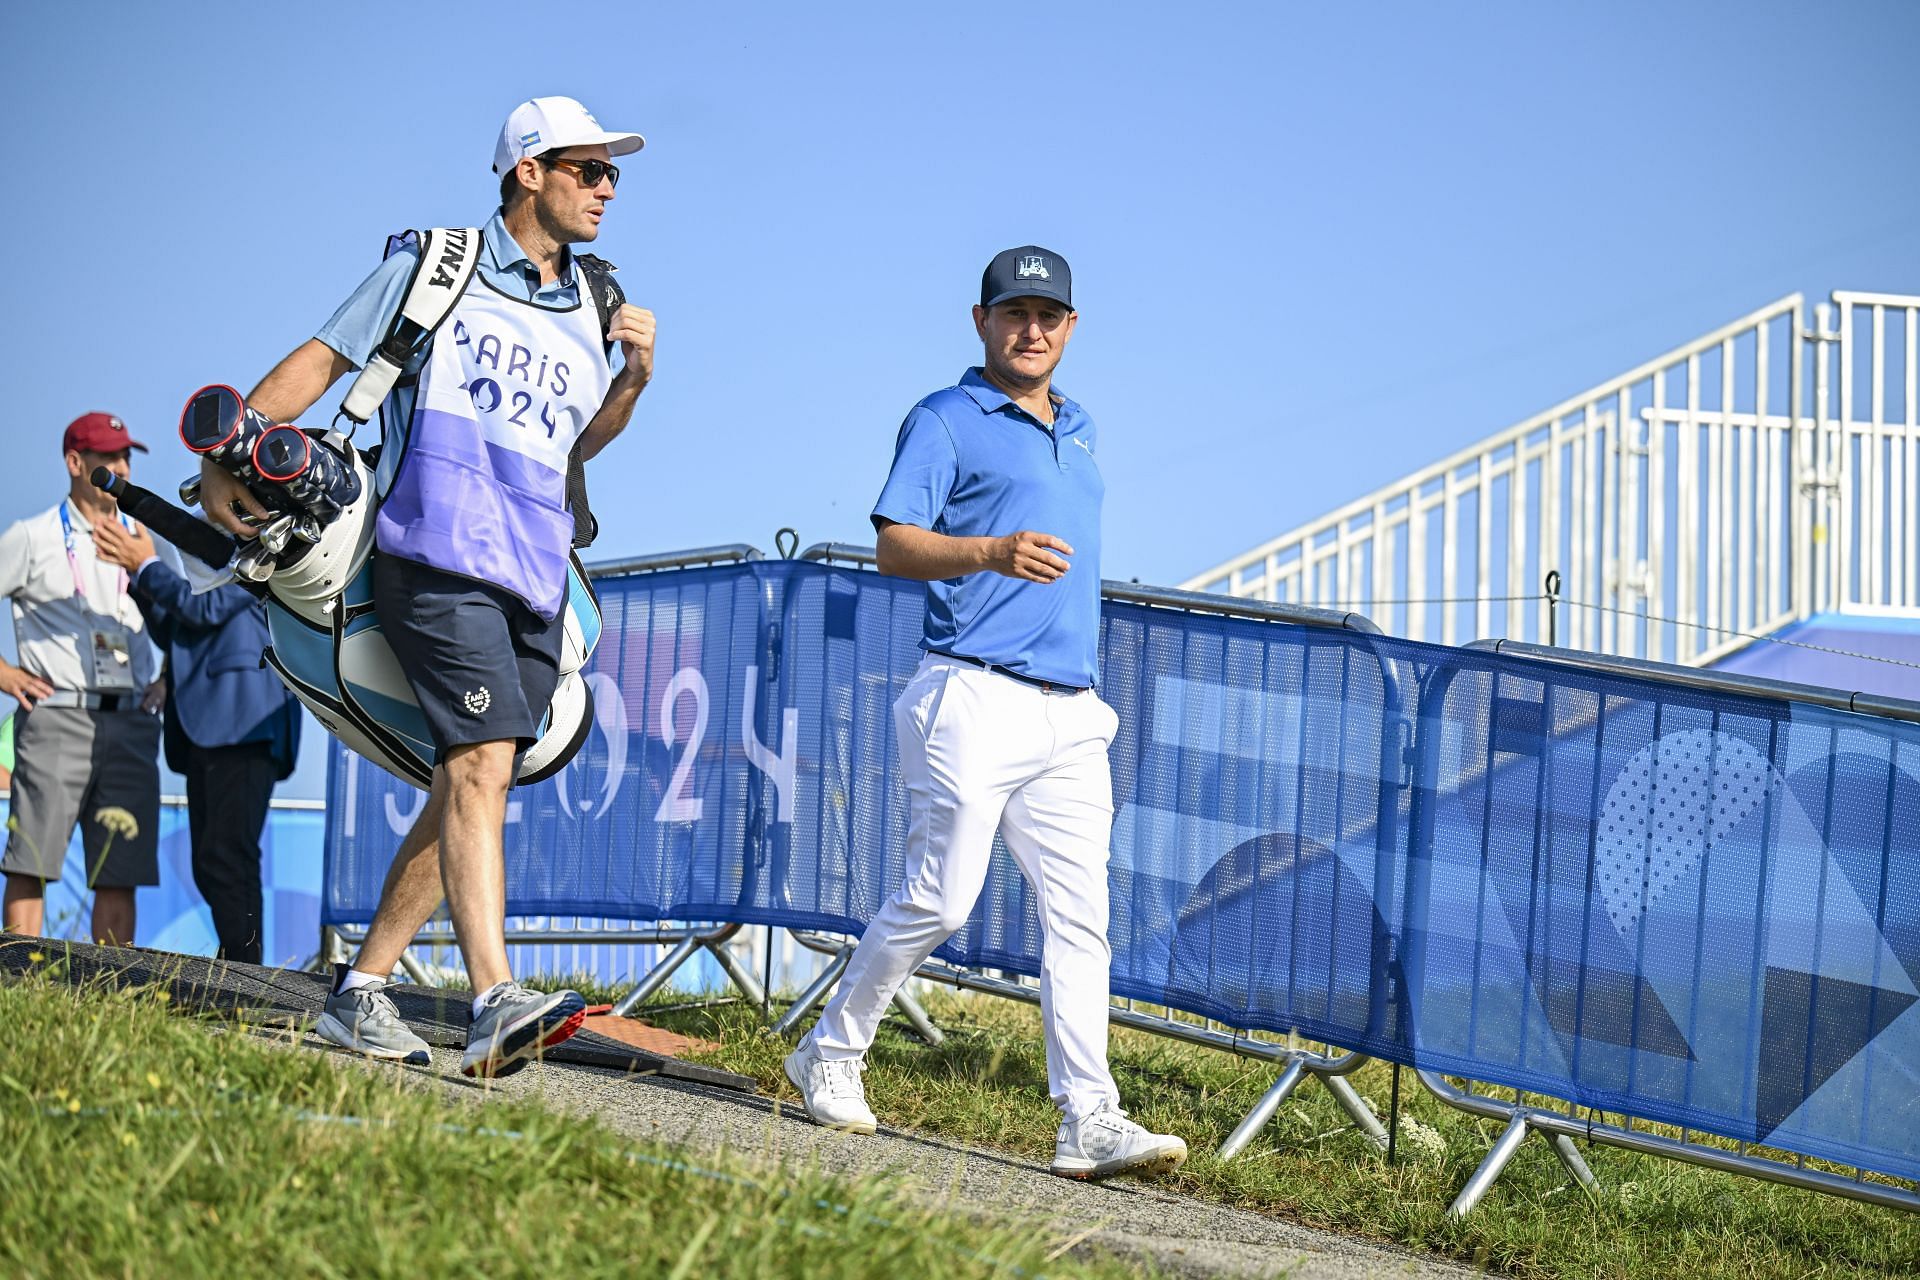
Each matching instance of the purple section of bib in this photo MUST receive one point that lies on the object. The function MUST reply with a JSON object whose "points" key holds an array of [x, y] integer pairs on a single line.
{"points": [[468, 506]]}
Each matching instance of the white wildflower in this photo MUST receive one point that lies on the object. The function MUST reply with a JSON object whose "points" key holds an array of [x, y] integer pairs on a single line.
{"points": [[1424, 1140], [118, 821]]}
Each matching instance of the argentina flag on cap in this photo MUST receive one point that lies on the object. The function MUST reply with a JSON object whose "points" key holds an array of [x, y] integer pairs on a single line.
{"points": [[540, 125]]}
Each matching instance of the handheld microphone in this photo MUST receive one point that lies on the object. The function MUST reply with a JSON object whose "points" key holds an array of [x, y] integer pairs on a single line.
{"points": [[195, 537]]}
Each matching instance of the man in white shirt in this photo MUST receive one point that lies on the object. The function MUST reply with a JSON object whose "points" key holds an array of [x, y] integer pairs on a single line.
{"points": [[87, 738]]}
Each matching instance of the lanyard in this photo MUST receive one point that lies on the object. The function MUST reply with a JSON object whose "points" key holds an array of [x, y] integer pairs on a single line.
{"points": [[73, 560]]}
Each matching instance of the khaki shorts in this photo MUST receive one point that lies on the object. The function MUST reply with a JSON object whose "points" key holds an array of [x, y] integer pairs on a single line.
{"points": [[70, 764]]}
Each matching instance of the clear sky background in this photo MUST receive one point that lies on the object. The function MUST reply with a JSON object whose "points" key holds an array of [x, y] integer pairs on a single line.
{"points": [[1314, 246]]}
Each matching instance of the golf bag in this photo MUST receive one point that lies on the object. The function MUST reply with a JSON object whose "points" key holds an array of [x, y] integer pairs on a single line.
{"points": [[312, 562]]}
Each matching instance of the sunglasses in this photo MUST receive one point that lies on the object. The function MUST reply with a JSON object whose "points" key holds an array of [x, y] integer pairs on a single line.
{"points": [[590, 172]]}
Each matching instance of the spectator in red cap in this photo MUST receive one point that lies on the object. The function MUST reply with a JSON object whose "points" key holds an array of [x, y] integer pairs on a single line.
{"points": [[87, 738]]}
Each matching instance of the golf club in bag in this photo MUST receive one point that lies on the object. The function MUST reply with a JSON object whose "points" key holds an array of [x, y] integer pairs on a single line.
{"points": [[312, 563]]}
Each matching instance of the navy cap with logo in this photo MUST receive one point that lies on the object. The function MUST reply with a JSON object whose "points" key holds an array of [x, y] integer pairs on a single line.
{"points": [[1027, 272]]}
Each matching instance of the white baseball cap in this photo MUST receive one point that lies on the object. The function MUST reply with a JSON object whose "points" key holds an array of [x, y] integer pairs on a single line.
{"points": [[553, 124]]}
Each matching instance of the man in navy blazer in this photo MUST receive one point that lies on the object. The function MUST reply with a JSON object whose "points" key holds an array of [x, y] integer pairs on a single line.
{"points": [[232, 729]]}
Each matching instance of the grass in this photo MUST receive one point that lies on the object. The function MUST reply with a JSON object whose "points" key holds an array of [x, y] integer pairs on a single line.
{"points": [[1652, 1218], [136, 1142]]}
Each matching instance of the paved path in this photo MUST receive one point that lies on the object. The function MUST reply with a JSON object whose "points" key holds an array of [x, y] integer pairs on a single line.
{"points": [[1178, 1234]]}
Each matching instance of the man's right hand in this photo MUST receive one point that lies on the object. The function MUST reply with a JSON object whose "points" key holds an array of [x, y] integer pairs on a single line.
{"points": [[219, 492], [1029, 556], [23, 685]]}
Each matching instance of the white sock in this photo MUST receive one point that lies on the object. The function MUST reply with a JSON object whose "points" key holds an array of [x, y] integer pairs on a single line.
{"points": [[356, 979], [480, 1001]]}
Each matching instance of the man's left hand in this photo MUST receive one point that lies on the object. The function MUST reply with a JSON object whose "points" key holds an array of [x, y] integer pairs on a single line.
{"points": [[632, 328], [155, 697], [117, 546]]}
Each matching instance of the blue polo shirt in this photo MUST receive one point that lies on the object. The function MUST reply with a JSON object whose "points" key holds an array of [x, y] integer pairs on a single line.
{"points": [[971, 463]]}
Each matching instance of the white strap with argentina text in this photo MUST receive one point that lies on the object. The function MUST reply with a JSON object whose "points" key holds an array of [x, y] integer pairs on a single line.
{"points": [[448, 258]]}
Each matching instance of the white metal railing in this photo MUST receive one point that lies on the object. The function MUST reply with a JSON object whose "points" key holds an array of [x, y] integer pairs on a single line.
{"points": [[1686, 505], [1870, 448]]}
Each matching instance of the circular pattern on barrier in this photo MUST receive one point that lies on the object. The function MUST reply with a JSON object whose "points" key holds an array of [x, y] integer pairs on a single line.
{"points": [[1672, 801]]}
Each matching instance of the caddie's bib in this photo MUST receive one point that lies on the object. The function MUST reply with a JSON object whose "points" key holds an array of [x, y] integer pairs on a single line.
{"points": [[482, 487]]}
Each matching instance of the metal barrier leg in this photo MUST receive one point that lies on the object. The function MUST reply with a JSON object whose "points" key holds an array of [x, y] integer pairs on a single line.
{"points": [[910, 1008], [415, 970], [1490, 1169], [1263, 1110], [657, 977], [813, 995], [1571, 1158], [1345, 1094], [330, 950], [916, 1014], [736, 972]]}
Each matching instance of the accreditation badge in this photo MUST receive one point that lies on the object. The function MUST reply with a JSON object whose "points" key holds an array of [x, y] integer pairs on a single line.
{"points": [[112, 659]]}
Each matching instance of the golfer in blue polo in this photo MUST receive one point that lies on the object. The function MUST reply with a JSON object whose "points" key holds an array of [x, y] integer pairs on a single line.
{"points": [[994, 501]]}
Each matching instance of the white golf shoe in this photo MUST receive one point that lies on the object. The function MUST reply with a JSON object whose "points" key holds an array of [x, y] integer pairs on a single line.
{"points": [[831, 1090], [1105, 1142]]}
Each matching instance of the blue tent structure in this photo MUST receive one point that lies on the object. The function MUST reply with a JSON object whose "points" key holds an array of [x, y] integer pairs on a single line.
{"points": [[1860, 654]]}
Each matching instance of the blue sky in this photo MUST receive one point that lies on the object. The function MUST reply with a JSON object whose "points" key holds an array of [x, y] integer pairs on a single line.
{"points": [[1314, 247]]}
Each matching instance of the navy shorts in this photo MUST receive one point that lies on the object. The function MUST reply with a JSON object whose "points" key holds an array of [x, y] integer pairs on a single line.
{"points": [[481, 664]]}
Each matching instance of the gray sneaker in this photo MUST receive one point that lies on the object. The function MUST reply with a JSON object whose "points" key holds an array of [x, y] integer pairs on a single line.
{"points": [[515, 1024], [365, 1021]]}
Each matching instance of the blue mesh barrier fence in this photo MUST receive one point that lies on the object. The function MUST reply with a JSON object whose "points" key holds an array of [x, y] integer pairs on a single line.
{"points": [[171, 916], [742, 769], [1691, 907]]}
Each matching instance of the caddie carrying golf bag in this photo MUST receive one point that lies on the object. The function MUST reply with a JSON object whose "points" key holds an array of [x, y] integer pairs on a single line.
{"points": [[312, 561]]}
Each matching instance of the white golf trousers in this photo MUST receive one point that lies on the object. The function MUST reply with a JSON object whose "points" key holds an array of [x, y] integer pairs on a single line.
{"points": [[982, 752]]}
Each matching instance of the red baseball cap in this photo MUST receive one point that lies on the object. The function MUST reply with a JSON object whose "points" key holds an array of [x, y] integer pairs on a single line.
{"points": [[98, 433]]}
